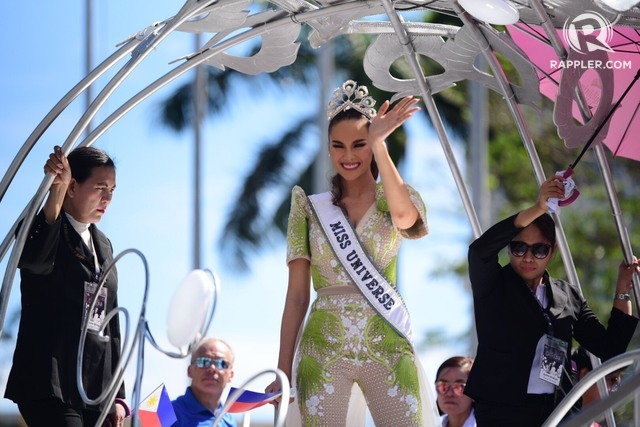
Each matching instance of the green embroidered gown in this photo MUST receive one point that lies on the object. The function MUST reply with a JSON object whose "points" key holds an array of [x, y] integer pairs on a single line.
{"points": [[344, 340]]}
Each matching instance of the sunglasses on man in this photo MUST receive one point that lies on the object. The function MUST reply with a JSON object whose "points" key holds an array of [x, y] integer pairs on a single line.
{"points": [[443, 387], [538, 250], [206, 362]]}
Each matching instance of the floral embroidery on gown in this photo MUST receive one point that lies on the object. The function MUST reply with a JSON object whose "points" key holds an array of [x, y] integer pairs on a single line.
{"points": [[343, 333]]}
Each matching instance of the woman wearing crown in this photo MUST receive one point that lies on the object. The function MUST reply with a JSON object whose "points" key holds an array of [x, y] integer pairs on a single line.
{"points": [[346, 242]]}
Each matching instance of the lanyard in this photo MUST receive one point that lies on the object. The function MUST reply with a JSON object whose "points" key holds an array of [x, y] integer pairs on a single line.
{"points": [[545, 311]]}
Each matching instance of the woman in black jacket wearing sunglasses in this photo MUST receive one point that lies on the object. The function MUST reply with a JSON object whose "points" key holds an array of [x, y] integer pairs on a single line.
{"points": [[526, 320]]}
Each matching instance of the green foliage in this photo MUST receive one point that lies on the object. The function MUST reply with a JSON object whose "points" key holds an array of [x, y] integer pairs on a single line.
{"points": [[245, 226]]}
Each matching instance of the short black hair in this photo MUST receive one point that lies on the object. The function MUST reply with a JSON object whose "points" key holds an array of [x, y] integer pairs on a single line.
{"points": [[547, 227], [83, 160]]}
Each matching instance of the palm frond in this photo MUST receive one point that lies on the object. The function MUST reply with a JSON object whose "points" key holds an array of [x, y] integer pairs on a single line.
{"points": [[246, 226]]}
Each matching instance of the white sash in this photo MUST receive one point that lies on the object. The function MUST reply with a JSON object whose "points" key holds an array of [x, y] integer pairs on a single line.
{"points": [[347, 248]]}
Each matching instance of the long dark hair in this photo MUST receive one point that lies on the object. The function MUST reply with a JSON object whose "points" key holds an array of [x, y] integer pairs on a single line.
{"points": [[337, 183], [83, 160]]}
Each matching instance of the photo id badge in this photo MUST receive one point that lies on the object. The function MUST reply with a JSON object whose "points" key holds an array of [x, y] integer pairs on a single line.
{"points": [[554, 352], [96, 317]]}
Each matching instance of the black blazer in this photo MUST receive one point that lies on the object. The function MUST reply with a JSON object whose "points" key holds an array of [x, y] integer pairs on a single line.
{"points": [[54, 266], [510, 322]]}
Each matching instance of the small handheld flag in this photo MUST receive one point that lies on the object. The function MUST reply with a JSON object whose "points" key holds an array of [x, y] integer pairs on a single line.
{"points": [[156, 409], [249, 400]]}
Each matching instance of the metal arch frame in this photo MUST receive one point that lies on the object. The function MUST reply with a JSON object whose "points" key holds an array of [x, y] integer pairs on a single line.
{"points": [[153, 36], [148, 41], [140, 48]]}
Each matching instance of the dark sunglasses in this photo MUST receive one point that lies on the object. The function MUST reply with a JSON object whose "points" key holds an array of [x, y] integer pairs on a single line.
{"points": [[538, 250], [443, 387], [205, 362]]}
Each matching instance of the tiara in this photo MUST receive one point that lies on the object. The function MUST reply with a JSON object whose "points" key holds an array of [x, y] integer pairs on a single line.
{"points": [[350, 95]]}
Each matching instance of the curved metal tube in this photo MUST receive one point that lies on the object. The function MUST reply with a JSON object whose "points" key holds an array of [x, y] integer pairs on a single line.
{"points": [[21, 238], [152, 40], [203, 329], [58, 109], [601, 158], [198, 58], [625, 392], [432, 109], [142, 331], [281, 410], [8, 239], [110, 392], [84, 121], [523, 130]]}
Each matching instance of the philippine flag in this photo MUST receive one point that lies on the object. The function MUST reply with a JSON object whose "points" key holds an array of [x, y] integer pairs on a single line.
{"points": [[156, 410], [250, 400]]}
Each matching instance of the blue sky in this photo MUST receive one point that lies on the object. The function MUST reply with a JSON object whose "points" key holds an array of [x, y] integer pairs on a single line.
{"points": [[43, 52]]}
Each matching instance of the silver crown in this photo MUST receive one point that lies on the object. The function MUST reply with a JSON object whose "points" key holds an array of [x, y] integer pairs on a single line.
{"points": [[350, 95]]}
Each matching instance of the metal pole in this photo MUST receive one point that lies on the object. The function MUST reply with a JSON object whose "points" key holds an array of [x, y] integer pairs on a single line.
{"points": [[88, 54], [523, 130], [434, 114], [321, 167], [200, 98], [479, 161], [479, 130]]}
